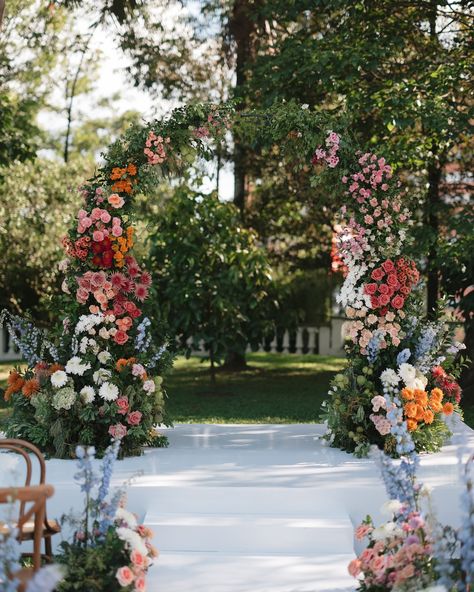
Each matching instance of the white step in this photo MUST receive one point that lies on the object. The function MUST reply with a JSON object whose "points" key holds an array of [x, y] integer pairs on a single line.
{"points": [[219, 572], [251, 533]]}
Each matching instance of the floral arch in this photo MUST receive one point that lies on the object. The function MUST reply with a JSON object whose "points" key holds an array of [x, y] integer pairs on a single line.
{"points": [[99, 375]]}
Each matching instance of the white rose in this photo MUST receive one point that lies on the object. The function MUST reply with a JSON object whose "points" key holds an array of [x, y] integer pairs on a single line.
{"points": [[104, 333], [149, 386], [59, 378]]}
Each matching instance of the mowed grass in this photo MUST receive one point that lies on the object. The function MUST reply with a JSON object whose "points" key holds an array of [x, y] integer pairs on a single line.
{"points": [[276, 388]]}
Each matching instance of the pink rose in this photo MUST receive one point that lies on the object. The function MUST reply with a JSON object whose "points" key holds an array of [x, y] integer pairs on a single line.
{"points": [[374, 302], [364, 529], [124, 324], [138, 559], [118, 431], [105, 217], [354, 568], [398, 302], [95, 214], [140, 584], [125, 576], [120, 337], [82, 295], [98, 236], [384, 289], [366, 556], [378, 564], [122, 405], [117, 230], [388, 266], [115, 200], [392, 279], [138, 370], [134, 418], [377, 274], [384, 299]]}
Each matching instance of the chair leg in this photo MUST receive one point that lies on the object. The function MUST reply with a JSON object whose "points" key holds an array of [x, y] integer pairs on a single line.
{"points": [[48, 549]]}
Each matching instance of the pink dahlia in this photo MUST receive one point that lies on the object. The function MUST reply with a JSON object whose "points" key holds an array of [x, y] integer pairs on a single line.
{"points": [[141, 292]]}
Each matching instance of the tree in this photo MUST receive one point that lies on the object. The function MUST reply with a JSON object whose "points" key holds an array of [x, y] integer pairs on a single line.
{"points": [[31, 195], [212, 279], [399, 68]]}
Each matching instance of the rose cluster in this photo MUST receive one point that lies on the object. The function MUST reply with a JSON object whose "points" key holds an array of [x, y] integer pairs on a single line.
{"points": [[391, 283], [328, 155], [156, 148]]}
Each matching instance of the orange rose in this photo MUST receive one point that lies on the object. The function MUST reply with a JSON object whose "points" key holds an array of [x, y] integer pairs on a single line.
{"points": [[407, 394], [411, 409], [448, 408], [412, 425], [115, 200]]}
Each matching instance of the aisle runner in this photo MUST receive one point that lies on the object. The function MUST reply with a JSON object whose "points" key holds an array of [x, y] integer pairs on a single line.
{"points": [[255, 508]]}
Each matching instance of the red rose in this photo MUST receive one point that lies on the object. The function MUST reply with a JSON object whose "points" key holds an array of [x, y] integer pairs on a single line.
{"points": [[392, 279], [398, 302], [374, 301], [129, 306], [370, 288], [96, 248], [135, 313], [383, 311], [97, 260], [377, 274], [384, 299], [120, 337], [134, 418], [384, 289], [388, 266]]}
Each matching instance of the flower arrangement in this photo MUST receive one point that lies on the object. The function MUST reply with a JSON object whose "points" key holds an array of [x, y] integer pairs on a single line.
{"points": [[412, 551], [389, 346], [110, 550]]}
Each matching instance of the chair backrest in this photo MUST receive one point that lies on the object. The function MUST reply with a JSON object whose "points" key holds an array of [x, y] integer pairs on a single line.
{"points": [[26, 450], [36, 496]]}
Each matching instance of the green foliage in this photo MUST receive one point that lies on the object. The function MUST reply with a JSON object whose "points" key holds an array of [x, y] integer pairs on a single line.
{"points": [[37, 202], [212, 279]]}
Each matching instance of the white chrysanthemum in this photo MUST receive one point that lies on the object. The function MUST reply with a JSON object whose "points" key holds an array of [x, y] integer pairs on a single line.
{"points": [[64, 398], [59, 378], [127, 517], [104, 357], [87, 394], [83, 345], [407, 373], [88, 322], [389, 377], [109, 391], [386, 531], [132, 539], [76, 366], [391, 507], [101, 375]]}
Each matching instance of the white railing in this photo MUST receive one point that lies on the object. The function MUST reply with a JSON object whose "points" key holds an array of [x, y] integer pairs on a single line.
{"points": [[326, 340], [8, 351]]}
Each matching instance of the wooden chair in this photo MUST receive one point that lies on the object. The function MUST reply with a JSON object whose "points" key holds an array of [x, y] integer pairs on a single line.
{"points": [[34, 513], [50, 527]]}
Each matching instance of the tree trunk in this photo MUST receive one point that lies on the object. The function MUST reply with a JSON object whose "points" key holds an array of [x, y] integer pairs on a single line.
{"points": [[2, 11], [235, 362], [432, 219]]}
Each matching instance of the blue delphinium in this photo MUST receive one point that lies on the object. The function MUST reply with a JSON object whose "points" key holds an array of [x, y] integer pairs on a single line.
{"points": [[9, 560], [143, 338], [426, 344], [373, 347], [157, 356], [403, 356]]}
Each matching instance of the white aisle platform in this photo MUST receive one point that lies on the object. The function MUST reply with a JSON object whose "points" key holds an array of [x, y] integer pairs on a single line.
{"points": [[255, 508]]}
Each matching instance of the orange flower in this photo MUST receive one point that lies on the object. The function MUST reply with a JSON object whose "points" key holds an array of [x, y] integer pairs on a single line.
{"points": [[421, 398], [55, 367], [437, 394], [122, 186], [448, 408], [435, 405], [428, 416], [407, 394], [13, 377], [412, 425], [30, 387], [410, 409], [117, 173], [420, 413], [121, 363], [132, 169]]}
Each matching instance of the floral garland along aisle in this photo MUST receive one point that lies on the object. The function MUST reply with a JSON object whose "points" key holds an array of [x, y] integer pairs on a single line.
{"points": [[101, 376]]}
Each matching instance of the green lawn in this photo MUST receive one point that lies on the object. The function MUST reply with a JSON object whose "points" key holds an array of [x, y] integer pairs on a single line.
{"points": [[276, 388]]}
